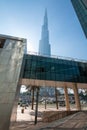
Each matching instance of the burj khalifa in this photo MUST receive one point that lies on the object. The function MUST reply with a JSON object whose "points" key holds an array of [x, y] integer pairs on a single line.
{"points": [[44, 46], [45, 50]]}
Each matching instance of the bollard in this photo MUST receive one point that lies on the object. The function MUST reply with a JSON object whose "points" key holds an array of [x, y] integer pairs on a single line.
{"points": [[22, 110]]}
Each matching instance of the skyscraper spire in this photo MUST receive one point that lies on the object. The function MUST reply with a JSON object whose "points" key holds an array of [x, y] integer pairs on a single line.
{"points": [[46, 18], [44, 46]]}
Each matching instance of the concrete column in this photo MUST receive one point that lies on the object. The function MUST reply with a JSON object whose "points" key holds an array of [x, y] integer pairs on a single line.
{"points": [[14, 110], [66, 99], [10, 65], [77, 101]]}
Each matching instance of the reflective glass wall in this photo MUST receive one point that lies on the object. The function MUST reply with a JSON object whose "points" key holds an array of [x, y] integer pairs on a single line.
{"points": [[54, 69], [80, 7]]}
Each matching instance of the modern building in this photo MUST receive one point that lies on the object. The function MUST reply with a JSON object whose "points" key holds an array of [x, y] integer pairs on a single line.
{"points": [[18, 68], [11, 56], [57, 72], [80, 7], [41, 70], [44, 46]]}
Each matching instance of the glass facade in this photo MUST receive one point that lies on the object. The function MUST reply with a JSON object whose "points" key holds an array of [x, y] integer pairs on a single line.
{"points": [[80, 7], [54, 69]]}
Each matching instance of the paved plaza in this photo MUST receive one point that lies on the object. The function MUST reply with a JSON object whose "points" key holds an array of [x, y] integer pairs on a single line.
{"points": [[25, 121]]}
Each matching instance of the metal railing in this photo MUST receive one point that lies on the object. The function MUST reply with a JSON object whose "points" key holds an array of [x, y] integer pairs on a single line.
{"points": [[57, 57]]}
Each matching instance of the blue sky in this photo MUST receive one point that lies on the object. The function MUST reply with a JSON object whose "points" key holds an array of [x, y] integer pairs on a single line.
{"points": [[24, 18]]}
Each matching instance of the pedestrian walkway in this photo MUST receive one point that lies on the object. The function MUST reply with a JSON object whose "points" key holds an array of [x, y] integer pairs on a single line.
{"points": [[75, 121], [25, 121], [27, 115]]}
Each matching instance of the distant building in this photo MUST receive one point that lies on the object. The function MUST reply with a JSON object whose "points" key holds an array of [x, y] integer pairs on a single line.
{"points": [[44, 46], [80, 7]]}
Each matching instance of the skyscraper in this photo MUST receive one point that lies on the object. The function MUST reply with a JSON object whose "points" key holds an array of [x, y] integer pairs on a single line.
{"points": [[80, 7], [44, 46]]}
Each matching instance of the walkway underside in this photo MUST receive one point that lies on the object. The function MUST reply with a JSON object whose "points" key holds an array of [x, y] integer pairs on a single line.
{"points": [[35, 82]]}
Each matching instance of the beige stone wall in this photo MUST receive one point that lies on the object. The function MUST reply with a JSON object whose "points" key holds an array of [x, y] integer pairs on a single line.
{"points": [[49, 116], [10, 64]]}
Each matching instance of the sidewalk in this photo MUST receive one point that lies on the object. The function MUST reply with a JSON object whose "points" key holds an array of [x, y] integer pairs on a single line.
{"points": [[25, 121], [28, 114]]}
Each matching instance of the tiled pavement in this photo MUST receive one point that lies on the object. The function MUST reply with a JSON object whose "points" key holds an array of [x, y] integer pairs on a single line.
{"points": [[76, 121]]}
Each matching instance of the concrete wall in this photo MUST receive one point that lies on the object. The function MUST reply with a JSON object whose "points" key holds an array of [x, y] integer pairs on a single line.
{"points": [[49, 116], [11, 56]]}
